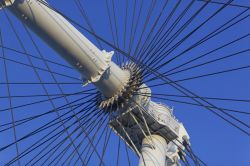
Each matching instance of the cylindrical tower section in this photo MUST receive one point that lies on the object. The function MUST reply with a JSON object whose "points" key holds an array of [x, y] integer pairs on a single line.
{"points": [[94, 65], [153, 152]]}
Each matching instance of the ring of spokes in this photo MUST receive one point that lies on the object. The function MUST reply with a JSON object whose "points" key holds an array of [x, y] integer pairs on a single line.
{"points": [[121, 98]]}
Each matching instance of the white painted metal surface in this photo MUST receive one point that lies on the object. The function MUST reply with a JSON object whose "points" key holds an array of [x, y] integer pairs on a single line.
{"points": [[75, 48], [156, 155]]}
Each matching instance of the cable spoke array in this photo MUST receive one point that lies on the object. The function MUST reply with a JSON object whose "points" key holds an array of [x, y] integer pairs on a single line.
{"points": [[188, 53]]}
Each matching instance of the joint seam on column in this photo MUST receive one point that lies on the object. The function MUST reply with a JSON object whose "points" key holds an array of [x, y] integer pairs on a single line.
{"points": [[102, 70]]}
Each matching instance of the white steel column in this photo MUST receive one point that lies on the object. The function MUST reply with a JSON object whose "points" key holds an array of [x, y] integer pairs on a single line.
{"points": [[156, 155], [94, 65]]}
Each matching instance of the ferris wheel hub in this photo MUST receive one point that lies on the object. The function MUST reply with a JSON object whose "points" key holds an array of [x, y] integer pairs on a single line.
{"points": [[133, 116], [123, 96]]}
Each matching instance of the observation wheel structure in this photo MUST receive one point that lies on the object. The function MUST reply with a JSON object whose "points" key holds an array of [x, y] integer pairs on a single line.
{"points": [[96, 82]]}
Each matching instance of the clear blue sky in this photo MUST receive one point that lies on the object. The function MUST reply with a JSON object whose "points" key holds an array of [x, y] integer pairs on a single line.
{"points": [[216, 142]]}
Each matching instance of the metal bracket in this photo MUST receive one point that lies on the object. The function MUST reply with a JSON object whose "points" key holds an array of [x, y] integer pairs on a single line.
{"points": [[176, 146], [108, 57], [6, 3]]}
